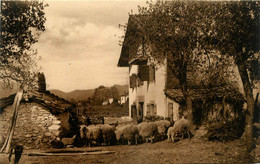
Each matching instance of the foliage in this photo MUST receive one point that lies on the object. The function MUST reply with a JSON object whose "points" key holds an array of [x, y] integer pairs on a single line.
{"points": [[236, 34], [225, 131], [22, 22], [153, 118], [101, 94], [177, 31], [115, 93]]}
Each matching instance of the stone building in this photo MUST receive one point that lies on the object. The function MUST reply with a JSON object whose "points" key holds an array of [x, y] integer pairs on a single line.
{"points": [[41, 118]]}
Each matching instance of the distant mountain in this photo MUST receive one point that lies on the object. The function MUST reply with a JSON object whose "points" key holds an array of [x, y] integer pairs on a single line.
{"points": [[85, 94]]}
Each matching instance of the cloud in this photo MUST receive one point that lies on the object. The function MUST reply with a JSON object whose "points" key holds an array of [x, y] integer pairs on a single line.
{"points": [[80, 47]]}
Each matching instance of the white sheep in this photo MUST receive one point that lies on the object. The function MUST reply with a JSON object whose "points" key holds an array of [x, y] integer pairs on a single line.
{"points": [[108, 134], [162, 126], [131, 134], [148, 131], [119, 134], [94, 135], [180, 128]]}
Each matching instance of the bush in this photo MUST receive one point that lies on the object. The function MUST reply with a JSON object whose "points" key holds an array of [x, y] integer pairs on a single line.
{"points": [[153, 118], [225, 131]]}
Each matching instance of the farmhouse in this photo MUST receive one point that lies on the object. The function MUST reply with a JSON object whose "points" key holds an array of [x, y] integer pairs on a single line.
{"points": [[147, 82], [124, 98], [41, 118], [152, 89]]}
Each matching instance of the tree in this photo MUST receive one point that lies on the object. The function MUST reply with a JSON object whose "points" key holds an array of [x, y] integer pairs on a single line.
{"points": [[115, 93], [41, 82], [21, 24], [175, 31], [236, 34], [101, 94]]}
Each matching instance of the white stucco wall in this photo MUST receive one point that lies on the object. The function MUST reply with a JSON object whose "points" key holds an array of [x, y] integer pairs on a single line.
{"points": [[152, 92], [133, 69]]}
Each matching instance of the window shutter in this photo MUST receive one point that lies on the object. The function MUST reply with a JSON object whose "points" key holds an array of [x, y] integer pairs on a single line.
{"points": [[144, 72], [155, 109], [133, 81], [140, 82], [148, 110], [152, 74]]}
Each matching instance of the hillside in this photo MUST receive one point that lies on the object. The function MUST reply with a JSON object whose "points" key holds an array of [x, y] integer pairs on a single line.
{"points": [[85, 94]]}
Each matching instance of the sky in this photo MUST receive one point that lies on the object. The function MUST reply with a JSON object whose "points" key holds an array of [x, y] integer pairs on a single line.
{"points": [[80, 47]]}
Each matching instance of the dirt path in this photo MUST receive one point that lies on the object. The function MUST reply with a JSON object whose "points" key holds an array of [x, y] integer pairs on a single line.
{"points": [[185, 151]]}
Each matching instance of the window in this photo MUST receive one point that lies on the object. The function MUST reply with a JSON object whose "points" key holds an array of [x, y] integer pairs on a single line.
{"points": [[151, 109], [143, 71]]}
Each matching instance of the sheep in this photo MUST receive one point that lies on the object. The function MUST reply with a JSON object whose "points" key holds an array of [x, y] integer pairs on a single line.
{"points": [[83, 134], [108, 134], [180, 128], [131, 134], [148, 131], [68, 141], [119, 134], [94, 135], [162, 126]]}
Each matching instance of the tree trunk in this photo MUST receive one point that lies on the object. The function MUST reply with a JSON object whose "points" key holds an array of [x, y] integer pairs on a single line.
{"points": [[188, 101], [248, 134]]}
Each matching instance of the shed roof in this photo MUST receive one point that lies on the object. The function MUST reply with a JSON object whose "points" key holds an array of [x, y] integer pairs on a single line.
{"points": [[208, 93], [55, 104]]}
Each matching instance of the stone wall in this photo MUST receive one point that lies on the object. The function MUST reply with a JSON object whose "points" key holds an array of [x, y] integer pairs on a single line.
{"points": [[35, 126]]}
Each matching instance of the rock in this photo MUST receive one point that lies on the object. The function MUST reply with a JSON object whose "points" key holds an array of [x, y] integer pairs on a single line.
{"points": [[54, 127], [28, 136], [56, 132], [48, 134], [58, 122]]}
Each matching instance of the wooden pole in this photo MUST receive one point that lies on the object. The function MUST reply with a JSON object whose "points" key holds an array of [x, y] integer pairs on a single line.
{"points": [[9, 138]]}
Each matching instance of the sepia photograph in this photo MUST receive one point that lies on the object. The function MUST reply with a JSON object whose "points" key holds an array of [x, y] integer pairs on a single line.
{"points": [[129, 81]]}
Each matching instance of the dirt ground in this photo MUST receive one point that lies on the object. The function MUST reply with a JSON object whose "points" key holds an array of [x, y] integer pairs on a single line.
{"points": [[184, 151]]}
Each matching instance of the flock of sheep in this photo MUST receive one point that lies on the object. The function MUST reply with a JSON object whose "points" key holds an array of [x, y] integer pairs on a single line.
{"points": [[133, 134]]}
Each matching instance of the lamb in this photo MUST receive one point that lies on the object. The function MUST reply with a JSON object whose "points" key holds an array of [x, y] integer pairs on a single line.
{"points": [[94, 135], [180, 128], [68, 141], [108, 134], [148, 131], [162, 126]]}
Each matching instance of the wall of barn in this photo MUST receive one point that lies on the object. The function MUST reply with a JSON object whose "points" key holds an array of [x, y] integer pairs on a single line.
{"points": [[35, 126]]}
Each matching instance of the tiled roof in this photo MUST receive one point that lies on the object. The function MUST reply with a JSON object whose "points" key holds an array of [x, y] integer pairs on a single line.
{"points": [[209, 93], [131, 44]]}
